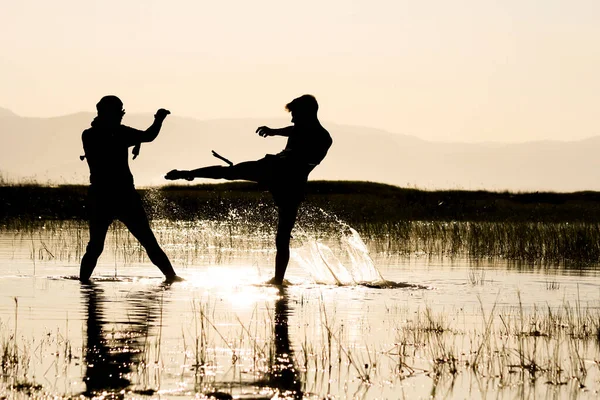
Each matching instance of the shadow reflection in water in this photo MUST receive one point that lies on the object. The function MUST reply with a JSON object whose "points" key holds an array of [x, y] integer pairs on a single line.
{"points": [[283, 375], [113, 348]]}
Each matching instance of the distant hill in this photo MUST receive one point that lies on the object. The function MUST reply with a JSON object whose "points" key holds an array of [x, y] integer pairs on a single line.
{"points": [[48, 149], [6, 113]]}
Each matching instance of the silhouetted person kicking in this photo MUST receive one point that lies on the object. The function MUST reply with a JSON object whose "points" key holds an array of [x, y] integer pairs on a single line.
{"points": [[284, 174], [112, 194]]}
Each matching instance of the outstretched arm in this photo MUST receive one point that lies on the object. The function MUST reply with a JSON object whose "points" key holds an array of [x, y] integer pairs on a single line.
{"points": [[152, 132], [265, 131], [135, 137]]}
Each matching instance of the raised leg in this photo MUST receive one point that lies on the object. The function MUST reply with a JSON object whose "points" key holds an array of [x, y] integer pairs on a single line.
{"points": [[249, 171]]}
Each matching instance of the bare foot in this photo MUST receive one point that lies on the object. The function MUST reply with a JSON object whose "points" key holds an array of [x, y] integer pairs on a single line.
{"points": [[276, 282], [174, 278]]}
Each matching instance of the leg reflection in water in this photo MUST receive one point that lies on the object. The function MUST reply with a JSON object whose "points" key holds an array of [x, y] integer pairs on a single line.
{"points": [[283, 375], [111, 350]]}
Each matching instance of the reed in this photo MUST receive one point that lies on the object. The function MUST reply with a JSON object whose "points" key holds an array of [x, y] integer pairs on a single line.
{"points": [[538, 228], [511, 347], [538, 245]]}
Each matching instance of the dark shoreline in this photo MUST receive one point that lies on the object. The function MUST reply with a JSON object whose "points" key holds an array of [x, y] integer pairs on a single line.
{"points": [[353, 202]]}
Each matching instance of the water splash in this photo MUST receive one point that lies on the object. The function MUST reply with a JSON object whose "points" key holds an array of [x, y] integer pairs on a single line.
{"points": [[325, 267]]}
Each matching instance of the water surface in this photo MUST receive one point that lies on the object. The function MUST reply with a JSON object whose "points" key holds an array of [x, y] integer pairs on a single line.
{"points": [[352, 323]]}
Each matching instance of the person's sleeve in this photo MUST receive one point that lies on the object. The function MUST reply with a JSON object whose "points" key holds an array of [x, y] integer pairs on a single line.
{"points": [[131, 136], [85, 141]]}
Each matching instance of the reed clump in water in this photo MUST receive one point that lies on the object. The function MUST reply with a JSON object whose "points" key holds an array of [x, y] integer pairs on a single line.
{"points": [[510, 348], [549, 243], [15, 360]]}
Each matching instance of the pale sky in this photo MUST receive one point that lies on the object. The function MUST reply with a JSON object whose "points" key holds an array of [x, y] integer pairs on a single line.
{"points": [[451, 70]]}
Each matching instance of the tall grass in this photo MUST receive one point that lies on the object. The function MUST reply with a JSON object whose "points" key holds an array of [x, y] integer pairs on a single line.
{"points": [[535, 228], [549, 243], [570, 245]]}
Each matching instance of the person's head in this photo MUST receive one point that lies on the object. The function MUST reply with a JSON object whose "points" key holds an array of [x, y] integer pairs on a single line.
{"points": [[303, 109], [110, 108]]}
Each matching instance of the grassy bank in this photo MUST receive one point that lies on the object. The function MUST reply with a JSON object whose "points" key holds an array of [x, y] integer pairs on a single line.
{"points": [[357, 203]]}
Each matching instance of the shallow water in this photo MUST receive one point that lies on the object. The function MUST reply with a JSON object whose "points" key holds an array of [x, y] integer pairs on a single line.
{"points": [[337, 330]]}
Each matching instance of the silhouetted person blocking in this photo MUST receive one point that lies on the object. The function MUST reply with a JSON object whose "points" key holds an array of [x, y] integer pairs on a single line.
{"points": [[284, 174], [112, 193]]}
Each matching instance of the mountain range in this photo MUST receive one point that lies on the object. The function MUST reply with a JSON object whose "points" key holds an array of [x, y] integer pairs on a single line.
{"points": [[47, 150]]}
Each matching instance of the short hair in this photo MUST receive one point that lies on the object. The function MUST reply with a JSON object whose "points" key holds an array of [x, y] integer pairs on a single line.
{"points": [[304, 104], [109, 103]]}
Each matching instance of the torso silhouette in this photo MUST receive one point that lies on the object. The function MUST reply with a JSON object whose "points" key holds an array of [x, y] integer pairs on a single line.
{"points": [[307, 144], [106, 150], [287, 175]]}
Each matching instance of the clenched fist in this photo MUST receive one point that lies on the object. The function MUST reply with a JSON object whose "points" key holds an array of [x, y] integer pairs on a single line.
{"points": [[161, 114]]}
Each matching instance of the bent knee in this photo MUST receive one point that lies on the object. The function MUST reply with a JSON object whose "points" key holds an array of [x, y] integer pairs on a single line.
{"points": [[229, 173]]}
